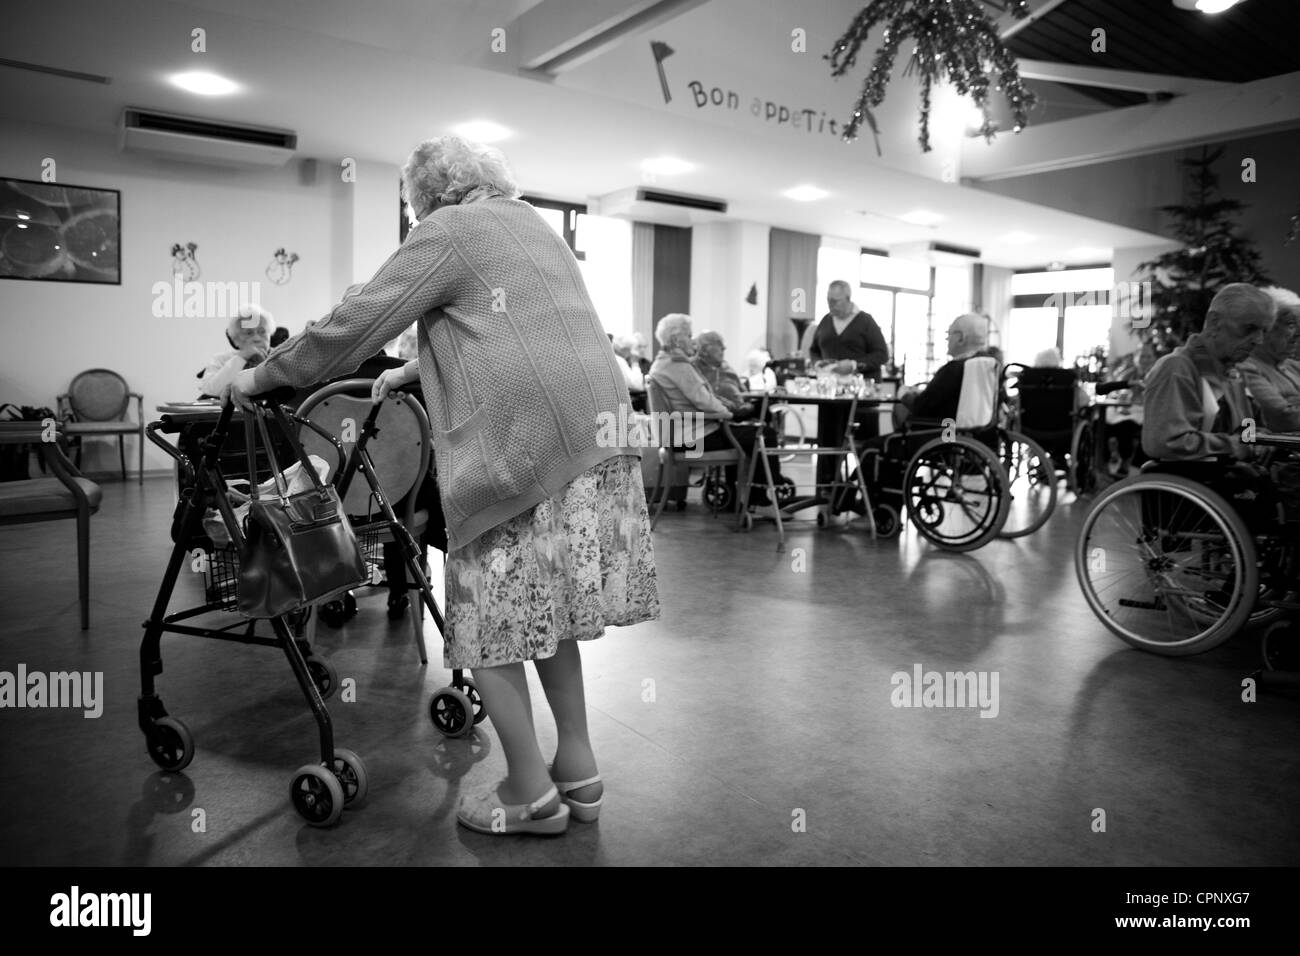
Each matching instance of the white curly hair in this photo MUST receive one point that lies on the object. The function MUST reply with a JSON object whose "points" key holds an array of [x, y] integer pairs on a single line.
{"points": [[450, 170], [1286, 300]]}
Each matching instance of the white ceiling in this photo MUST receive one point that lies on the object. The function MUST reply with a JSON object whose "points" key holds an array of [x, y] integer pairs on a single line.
{"points": [[371, 79]]}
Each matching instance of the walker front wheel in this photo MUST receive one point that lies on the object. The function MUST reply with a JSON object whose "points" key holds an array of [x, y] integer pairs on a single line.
{"points": [[452, 712], [317, 795], [171, 746]]}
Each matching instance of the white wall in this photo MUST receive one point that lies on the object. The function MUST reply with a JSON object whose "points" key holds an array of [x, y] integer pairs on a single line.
{"points": [[726, 259], [53, 330]]}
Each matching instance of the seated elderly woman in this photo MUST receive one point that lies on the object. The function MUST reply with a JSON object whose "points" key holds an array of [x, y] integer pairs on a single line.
{"points": [[686, 391], [631, 368], [1271, 376]]}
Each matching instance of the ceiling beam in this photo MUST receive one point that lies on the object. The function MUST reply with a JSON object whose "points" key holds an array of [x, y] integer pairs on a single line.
{"points": [[557, 35], [1114, 79], [1229, 112], [1034, 16]]}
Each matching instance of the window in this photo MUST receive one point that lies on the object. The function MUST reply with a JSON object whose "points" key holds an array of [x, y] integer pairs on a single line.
{"points": [[561, 216], [605, 258], [912, 302], [1069, 310]]}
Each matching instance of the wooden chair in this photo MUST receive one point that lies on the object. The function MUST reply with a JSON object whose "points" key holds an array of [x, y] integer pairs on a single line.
{"points": [[66, 495], [672, 458], [95, 405]]}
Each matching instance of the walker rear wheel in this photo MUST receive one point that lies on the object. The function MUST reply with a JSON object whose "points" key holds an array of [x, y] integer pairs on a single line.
{"points": [[470, 690], [351, 775], [324, 676]]}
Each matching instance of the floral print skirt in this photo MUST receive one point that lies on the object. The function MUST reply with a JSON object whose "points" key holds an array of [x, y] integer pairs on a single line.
{"points": [[567, 569]]}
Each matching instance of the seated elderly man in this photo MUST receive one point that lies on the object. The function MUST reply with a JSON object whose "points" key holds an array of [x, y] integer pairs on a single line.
{"points": [[722, 378], [1195, 407], [686, 391], [967, 339], [249, 335], [1271, 376]]}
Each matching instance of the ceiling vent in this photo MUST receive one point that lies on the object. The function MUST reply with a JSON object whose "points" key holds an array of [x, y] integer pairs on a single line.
{"points": [[197, 140], [935, 253], [643, 204]]}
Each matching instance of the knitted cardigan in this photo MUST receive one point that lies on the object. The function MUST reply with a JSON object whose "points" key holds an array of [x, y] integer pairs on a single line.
{"points": [[518, 374]]}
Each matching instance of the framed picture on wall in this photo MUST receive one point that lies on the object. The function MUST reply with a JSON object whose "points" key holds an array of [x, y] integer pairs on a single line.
{"points": [[58, 233]]}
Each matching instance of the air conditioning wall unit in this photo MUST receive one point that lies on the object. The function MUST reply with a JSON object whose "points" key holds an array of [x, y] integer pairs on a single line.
{"points": [[645, 204], [196, 140], [935, 253]]}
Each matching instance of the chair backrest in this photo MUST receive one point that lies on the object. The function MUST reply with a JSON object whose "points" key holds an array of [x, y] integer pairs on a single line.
{"points": [[657, 403], [99, 395], [977, 407], [402, 442], [1047, 398]]}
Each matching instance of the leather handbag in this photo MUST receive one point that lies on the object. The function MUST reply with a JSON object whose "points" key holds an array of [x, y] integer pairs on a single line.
{"points": [[297, 549]]}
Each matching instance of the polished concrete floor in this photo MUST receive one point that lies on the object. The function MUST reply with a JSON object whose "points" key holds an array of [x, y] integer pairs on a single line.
{"points": [[752, 725]]}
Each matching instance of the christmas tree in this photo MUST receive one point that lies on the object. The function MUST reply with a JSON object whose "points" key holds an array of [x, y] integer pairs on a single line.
{"points": [[1212, 255]]}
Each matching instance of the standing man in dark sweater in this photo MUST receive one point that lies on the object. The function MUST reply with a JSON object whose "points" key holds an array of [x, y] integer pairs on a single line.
{"points": [[852, 340]]}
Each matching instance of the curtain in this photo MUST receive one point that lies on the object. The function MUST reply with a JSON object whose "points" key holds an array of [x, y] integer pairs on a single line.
{"points": [[643, 282], [792, 268], [993, 298], [672, 271]]}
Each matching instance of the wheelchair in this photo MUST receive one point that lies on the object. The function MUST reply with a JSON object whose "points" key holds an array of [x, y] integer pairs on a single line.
{"points": [[1183, 555], [947, 480], [1042, 407]]}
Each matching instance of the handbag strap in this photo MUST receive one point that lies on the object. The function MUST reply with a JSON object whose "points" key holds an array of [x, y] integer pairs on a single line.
{"points": [[256, 419]]}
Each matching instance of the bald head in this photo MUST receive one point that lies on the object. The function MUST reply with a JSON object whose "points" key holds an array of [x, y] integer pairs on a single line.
{"points": [[968, 333]]}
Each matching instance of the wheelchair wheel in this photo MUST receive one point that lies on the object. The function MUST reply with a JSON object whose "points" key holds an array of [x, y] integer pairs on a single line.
{"points": [[1031, 480], [956, 493], [1167, 565], [1082, 475], [717, 493]]}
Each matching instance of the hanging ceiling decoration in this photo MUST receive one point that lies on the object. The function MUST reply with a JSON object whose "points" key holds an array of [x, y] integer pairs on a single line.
{"points": [[954, 41]]}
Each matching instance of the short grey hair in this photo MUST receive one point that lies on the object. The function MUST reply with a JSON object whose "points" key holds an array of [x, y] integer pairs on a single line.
{"points": [[672, 325], [450, 170], [842, 286], [1236, 298], [708, 335]]}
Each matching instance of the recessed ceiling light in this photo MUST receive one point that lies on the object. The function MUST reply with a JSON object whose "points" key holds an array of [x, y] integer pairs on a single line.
{"points": [[204, 84], [805, 193], [482, 131], [1206, 6], [1018, 238], [666, 166], [921, 217]]}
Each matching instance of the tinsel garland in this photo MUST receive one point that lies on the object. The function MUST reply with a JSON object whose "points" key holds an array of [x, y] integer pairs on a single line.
{"points": [[955, 41]]}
